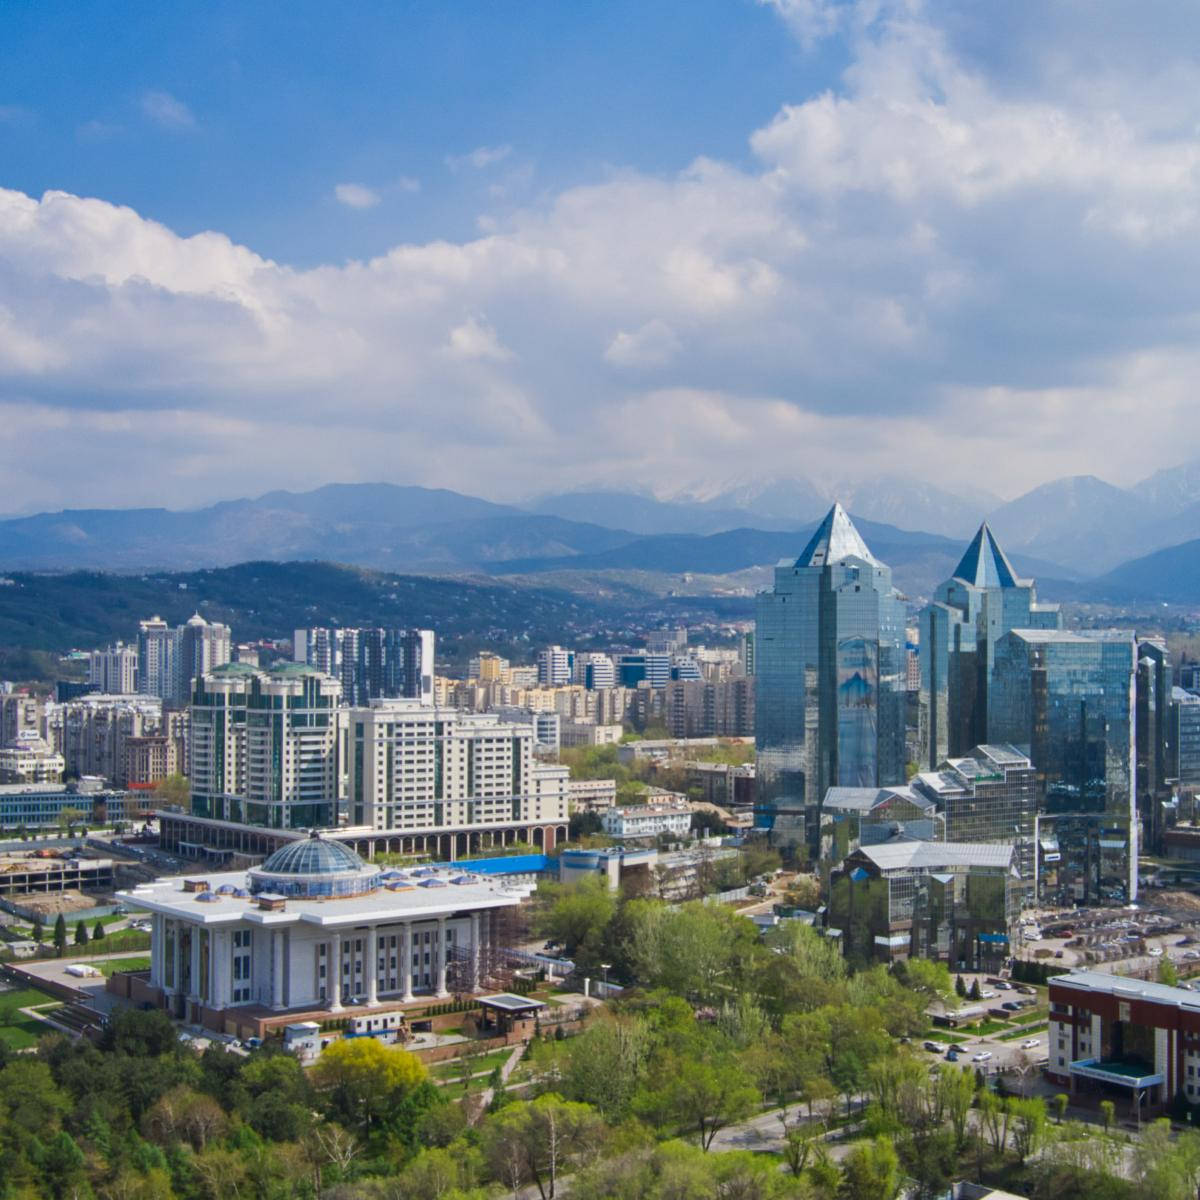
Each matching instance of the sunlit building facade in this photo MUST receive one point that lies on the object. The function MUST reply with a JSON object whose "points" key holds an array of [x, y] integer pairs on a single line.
{"points": [[829, 680]]}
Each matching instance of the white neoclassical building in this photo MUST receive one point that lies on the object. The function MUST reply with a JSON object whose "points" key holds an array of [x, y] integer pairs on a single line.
{"points": [[315, 929]]}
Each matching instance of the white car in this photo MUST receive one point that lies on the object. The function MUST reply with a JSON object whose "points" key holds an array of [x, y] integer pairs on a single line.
{"points": [[982, 1056], [1001, 986], [989, 995], [1155, 952], [1030, 1044]]}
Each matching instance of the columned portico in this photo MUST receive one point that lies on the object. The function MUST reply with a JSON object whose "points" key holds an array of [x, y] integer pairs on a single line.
{"points": [[333, 973], [440, 949], [372, 965], [406, 963]]}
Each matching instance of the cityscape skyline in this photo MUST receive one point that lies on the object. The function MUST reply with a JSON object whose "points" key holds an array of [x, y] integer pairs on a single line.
{"points": [[844, 261]]}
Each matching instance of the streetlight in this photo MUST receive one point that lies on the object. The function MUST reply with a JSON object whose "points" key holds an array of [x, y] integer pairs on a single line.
{"points": [[604, 967]]}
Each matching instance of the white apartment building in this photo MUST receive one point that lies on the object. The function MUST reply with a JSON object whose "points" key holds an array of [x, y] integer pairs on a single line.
{"points": [[114, 670], [591, 795], [554, 666], [413, 767], [646, 821], [585, 733], [32, 761]]}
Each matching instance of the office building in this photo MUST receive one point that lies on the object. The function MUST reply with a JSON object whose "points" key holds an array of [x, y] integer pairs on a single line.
{"points": [[989, 795], [1152, 724], [314, 928], [31, 761], [959, 630], [595, 671], [1125, 1040], [1067, 701], [654, 670], [21, 717], [1183, 738], [830, 680], [555, 666], [265, 746], [852, 817], [114, 671], [950, 901]]}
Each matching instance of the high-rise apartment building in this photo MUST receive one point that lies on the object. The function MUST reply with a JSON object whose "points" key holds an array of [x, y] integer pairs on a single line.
{"points": [[959, 629], [644, 667], [412, 767], [265, 746], [114, 671], [1183, 740], [487, 667], [830, 679], [555, 665], [371, 664], [1067, 700], [91, 732], [595, 671], [170, 659], [157, 652]]}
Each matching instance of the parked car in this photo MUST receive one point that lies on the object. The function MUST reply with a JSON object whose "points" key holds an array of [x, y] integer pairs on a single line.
{"points": [[1002, 986], [1155, 952], [952, 1056], [1030, 1044], [982, 1056], [988, 995], [1026, 990], [958, 1049], [1011, 1005], [933, 1047]]}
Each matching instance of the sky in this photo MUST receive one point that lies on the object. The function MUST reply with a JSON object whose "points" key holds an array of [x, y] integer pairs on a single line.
{"points": [[517, 248]]}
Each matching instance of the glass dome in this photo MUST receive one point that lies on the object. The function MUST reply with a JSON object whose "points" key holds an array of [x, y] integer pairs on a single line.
{"points": [[314, 866]]}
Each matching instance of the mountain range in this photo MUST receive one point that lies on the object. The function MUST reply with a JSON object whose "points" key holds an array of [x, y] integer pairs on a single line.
{"points": [[1087, 535]]}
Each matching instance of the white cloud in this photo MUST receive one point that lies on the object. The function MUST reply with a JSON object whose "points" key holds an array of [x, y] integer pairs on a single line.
{"points": [[167, 111], [940, 266], [479, 158], [652, 345], [356, 195]]}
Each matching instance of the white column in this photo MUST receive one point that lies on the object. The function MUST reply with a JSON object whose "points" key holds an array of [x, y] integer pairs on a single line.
{"points": [[441, 957], [406, 962], [276, 968], [372, 965], [475, 952], [156, 949], [334, 990], [196, 931]]}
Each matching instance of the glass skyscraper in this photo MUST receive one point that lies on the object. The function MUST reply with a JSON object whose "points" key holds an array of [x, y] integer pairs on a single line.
{"points": [[960, 627], [1068, 700], [829, 680]]}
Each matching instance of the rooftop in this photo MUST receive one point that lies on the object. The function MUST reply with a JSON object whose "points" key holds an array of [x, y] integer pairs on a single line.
{"points": [[835, 540], [1102, 983], [985, 565], [934, 855], [860, 799]]}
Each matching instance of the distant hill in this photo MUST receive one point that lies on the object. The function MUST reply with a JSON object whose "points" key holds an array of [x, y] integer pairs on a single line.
{"points": [[1170, 576], [261, 599]]}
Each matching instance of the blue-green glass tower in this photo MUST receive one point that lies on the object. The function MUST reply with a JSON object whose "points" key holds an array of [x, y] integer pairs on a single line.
{"points": [[829, 679]]}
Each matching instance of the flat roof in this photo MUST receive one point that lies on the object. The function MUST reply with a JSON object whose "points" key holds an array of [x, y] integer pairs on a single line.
{"points": [[511, 1002], [410, 902], [1102, 983], [893, 855]]}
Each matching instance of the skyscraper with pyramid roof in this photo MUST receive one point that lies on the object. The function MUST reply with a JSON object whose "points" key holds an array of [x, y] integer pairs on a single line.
{"points": [[829, 679], [982, 601]]}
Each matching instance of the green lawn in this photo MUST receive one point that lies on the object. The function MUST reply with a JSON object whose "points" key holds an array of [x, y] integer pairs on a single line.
{"points": [[983, 1028], [938, 1035], [18, 1032], [112, 943], [485, 1064], [106, 966]]}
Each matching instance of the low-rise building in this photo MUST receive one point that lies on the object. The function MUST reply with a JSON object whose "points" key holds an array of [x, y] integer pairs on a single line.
{"points": [[952, 901], [31, 761], [311, 930], [582, 733], [647, 820], [865, 816], [29, 874], [40, 804], [591, 795], [1124, 1039]]}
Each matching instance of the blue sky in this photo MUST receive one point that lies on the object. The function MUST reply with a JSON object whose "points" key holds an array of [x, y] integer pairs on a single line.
{"points": [[519, 248], [244, 117]]}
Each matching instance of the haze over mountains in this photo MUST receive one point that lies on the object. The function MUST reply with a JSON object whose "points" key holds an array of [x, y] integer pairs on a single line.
{"points": [[1074, 529]]}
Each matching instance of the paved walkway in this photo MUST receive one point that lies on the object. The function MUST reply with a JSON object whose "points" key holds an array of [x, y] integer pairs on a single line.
{"points": [[510, 1065]]}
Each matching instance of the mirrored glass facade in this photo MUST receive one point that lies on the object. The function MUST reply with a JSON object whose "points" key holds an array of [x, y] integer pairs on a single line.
{"points": [[1068, 701], [829, 680]]}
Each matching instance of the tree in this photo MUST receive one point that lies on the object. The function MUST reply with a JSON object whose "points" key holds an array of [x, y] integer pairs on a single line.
{"points": [[1107, 1112], [1060, 1107], [871, 1171], [535, 1141], [174, 792], [956, 1094], [98, 930], [577, 915], [39, 930], [960, 988], [701, 1092], [1167, 973], [81, 934], [60, 936], [975, 993], [1029, 1125], [365, 1079]]}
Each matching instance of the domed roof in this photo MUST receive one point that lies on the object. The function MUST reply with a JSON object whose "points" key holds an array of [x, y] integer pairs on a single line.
{"points": [[313, 855]]}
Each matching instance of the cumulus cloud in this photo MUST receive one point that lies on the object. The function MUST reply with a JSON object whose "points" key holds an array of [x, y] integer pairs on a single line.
{"points": [[356, 195], [479, 158], [167, 111], [988, 275]]}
